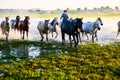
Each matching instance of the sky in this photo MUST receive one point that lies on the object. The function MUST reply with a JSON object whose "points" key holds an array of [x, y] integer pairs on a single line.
{"points": [[57, 4]]}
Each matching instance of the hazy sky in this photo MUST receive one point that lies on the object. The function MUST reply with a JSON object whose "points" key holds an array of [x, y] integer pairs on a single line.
{"points": [[55, 4]]}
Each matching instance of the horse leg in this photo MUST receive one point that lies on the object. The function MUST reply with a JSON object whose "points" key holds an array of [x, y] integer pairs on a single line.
{"points": [[56, 34], [77, 37], [75, 40], [93, 38], [96, 36], [80, 38], [63, 38], [52, 33], [70, 40], [6, 34], [47, 37], [23, 34], [27, 34], [41, 36], [87, 36]]}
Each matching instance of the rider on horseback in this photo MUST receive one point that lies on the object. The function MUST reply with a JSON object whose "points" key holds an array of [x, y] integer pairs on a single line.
{"points": [[64, 15]]}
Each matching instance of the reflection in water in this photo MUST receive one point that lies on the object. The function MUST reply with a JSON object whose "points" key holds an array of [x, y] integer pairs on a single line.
{"points": [[23, 52], [34, 51]]}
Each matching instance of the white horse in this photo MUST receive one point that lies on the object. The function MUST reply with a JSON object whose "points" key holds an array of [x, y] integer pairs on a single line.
{"points": [[43, 28], [118, 27], [92, 28], [5, 27], [52, 26]]}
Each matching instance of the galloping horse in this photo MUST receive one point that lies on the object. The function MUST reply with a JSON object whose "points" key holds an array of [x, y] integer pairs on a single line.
{"points": [[5, 27], [12, 22], [92, 28], [43, 28], [52, 26], [15, 23], [72, 28], [118, 27], [24, 26]]}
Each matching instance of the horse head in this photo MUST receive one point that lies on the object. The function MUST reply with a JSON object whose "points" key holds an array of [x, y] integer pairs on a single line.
{"points": [[26, 20], [17, 18], [78, 25], [54, 22], [100, 20], [7, 19], [46, 24], [98, 23]]}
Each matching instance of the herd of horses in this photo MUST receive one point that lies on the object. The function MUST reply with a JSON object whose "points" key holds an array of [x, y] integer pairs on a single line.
{"points": [[72, 27]]}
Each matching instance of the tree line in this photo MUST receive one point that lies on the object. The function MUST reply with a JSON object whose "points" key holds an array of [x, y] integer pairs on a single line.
{"points": [[102, 9]]}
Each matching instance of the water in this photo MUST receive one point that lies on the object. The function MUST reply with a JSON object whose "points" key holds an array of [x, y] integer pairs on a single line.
{"points": [[106, 35]]}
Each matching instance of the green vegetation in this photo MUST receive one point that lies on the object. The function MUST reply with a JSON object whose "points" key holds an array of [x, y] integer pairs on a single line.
{"points": [[91, 62], [50, 15]]}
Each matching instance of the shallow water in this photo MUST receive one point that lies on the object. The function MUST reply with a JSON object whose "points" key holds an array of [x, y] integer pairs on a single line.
{"points": [[106, 35]]}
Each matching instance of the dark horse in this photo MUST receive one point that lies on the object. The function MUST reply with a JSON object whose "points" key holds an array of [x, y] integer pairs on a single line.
{"points": [[15, 23], [72, 28], [24, 26]]}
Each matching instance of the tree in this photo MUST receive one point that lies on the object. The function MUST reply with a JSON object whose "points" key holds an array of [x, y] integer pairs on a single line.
{"points": [[58, 9], [117, 8], [85, 8], [68, 9], [95, 9], [78, 9]]}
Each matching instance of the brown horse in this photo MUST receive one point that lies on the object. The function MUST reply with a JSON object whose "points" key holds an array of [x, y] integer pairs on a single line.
{"points": [[24, 26], [15, 23], [5, 27]]}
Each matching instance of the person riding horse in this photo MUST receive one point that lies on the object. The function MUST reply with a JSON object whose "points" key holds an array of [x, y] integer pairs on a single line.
{"points": [[64, 16]]}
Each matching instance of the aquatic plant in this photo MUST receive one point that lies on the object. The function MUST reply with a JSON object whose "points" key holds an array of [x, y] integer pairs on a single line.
{"points": [[90, 62]]}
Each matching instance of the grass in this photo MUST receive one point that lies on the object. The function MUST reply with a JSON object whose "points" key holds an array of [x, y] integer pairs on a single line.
{"points": [[91, 62], [71, 15]]}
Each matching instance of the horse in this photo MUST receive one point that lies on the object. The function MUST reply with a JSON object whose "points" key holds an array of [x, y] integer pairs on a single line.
{"points": [[15, 23], [92, 28], [72, 28], [118, 27], [5, 27], [24, 26], [12, 22], [43, 28], [52, 26]]}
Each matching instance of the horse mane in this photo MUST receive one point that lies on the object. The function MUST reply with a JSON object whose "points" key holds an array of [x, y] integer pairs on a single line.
{"points": [[52, 23], [26, 21], [79, 21], [17, 18]]}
